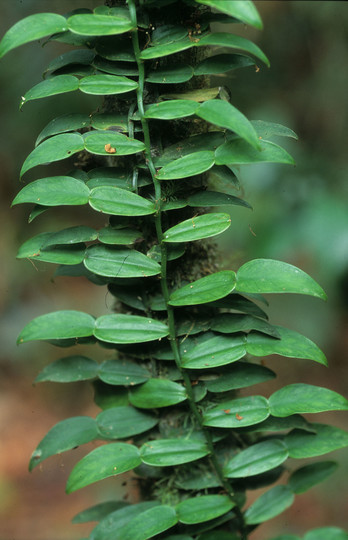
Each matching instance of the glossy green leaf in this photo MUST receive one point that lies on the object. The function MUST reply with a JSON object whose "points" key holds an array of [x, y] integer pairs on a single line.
{"points": [[105, 84], [269, 505], [54, 191], [166, 49], [51, 87], [235, 413], [168, 33], [63, 124], [104, 461], [203, 508], [72, 235], [214, 198], [229, 323], [291, 344], [157, 393], [58, 325], [305, 398], [308, 476], [326, 533], [268, 130], [269, 276], [221, 63], [280, 424], [195, 143], [198, 228], [111, 526], [120, 328], [69, 369], [96, 141], [169, 110], [223, 114], [91, 24], [54, 149], [217, 351], [116, 201], [186, 166], [64, 436], [122, 372], [256, 459], [326, 439], [223, 39], [239, 375], [204, 290], [170, 75], [32, 28], [171, 452], [242, 10], [66, 254], [239, 152], [150, 523], [98, 511], [121, 263], [112, 236], [77, 56], [124, 422]]}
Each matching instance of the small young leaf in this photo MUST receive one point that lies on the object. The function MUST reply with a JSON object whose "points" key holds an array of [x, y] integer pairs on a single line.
{"points": [[120, 263], [120, 328], [204, 290], [198, 228], [124, 422], [91, 24], [242, 10], [236, 413], [269, 505], [171, 452], [169, 110], [305, 398], [150, 523], [302, 444], [106, 84], [256, 459], [51, 87], [58, 325], [217, 351], [119, 202], [189, 165], [54, 191], [239, 152], [203, 508], [157, 393], [69, 369], [308, 476]]}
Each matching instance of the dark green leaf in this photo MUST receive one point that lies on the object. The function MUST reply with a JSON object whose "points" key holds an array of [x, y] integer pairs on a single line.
{"points": [[51, 87], [170, 452], [325, 440], [64, 436], [189, 165], [239, 375], [107, 396], [203, 508], [106, 84], [169, 110], [54, 191], [229, 323], [91, 24], [235, 413], [214, 198], [98, 511], [111, 236], [221, 63], [115, 48], [150, 523], [256, 459], [158, 51], [198, 228], [168, 33], [33, 249], [124, 422], [109, 528], [157, 393], [217, 351], [223, 39], [115, 68], [96, 141], [305, 398], [280, 424], [242, 10], [120, 263], [204, 290], [116, 201], [239, 152], [72, 235], [105, 461], [58, 325], [120, 328], [63, 124], [122, 372], [308, 476], [77, 56], [269, 505], [170, 75], [69, 369]]}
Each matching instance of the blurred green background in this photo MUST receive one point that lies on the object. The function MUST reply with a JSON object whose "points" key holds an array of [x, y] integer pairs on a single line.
{"points": [[300, 216]]}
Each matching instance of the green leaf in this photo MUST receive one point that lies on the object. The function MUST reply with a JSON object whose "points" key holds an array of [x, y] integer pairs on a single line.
{"points": [[58, 325], [223, 114], [115, 68], [169, 110], [124, 422], [170, 75], [326, 439], [90, 24], [96, 141], [33, 249], [77, 56], [223, 39], [308, 476], [305, 398], [54, 149], [198, 228], [203, 508], [121, 263], [236, 413], [171, 452], [168, 33], [149, 523], [64, 436], [63, 124], [287, 537], [107, 396], [158, 51], [198, 95], [106, 84], [104, 461], [54, 191], [112, 236], [120, 328], [116, 48], [269, 276], [189, 165], [72, 235], [69, 369], [157, 393], [51, 87], [326, 533], [267, 130], [122, 372], [291, 344], [109, 528], [217, 351], [280, 424], [239, 152], [243, 10], [204, 290], [239, 375], [269, 505], [214, 198], [256, 459], [221, 63], [229, 323], [32, 28], [98, 511], [119, 202]]}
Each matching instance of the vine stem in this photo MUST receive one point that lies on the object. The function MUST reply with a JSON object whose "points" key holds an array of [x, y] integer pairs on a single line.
{"points": [[164, 258]]}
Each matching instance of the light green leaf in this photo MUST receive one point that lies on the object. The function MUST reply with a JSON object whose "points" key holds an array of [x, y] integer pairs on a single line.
{"points": [[170, 75], [236, 413], [96, 141], [326, 533], [223, 114], [243, 10], [308, 476], [72, 235], [186, 166], [54, 191], [54, 149], [122, 372], [229, 323], [223, 39], [64, 436], [105, 461], [106, 84], [326, 439], [58, 325], [69, 369], [109, 527], [203, 508], [169, 110], [267, 130], [214, 198], [239, 152], [121, 263], [221, 63], [63, 124], [116, 201], [291, 344], [120, 328], [98, 511], [149, 523], [239, 375], [157, 393], [32, 28], [197, 228], [91, 24], [217, 351], [51, 87], [171, 452], [204, 290], [269, 276], [124, 422], [256, 459], [198, 95], [305, 398], [269, 505]]}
